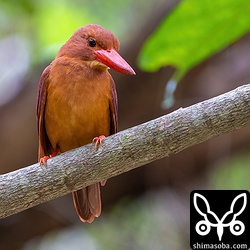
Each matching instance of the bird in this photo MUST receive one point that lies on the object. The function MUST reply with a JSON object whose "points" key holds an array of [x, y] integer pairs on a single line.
{"points": [[77, 103]]}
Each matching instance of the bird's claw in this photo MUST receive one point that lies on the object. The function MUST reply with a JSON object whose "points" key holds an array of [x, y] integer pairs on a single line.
{"points": [[43, 160], [103, 182], [98, 140]]}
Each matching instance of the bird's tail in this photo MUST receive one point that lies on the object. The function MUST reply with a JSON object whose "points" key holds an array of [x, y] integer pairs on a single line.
{"points": [[87, 202]]}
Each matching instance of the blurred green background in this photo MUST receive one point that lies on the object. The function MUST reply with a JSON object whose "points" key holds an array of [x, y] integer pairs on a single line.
{"points": [[183, 52]]}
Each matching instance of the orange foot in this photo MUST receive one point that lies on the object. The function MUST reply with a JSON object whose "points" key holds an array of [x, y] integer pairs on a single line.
{"points": [[98, 140], [103, 182], [43, 160]]}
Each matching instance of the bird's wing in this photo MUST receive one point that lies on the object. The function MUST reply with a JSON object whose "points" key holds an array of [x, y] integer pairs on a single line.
{"points": [[113, 105], [45, 147]]}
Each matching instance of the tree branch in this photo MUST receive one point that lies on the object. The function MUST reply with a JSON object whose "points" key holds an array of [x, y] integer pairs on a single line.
{"points": [[124, 151]]}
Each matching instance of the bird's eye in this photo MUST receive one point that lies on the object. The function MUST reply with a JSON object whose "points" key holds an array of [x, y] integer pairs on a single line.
{"points": [[92, 43]]}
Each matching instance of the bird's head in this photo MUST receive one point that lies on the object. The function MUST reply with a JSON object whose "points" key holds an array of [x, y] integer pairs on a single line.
{"points": [[96, 46]]}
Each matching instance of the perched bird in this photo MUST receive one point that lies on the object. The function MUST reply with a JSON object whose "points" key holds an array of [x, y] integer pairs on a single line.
{"points": [[77, 102]]}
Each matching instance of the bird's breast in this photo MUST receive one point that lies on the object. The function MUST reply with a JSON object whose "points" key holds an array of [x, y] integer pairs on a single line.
{"points": [[77, 108]]}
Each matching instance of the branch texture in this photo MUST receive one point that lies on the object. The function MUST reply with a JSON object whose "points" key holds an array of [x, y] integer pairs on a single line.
{"points": [[124, 151]]}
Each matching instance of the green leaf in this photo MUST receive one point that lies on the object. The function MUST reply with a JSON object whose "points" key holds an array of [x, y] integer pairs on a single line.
{"points": [[192, 32]]}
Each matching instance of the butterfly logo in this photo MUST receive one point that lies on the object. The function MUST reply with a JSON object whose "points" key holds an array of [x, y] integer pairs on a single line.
{"points": [[203, 227]]}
